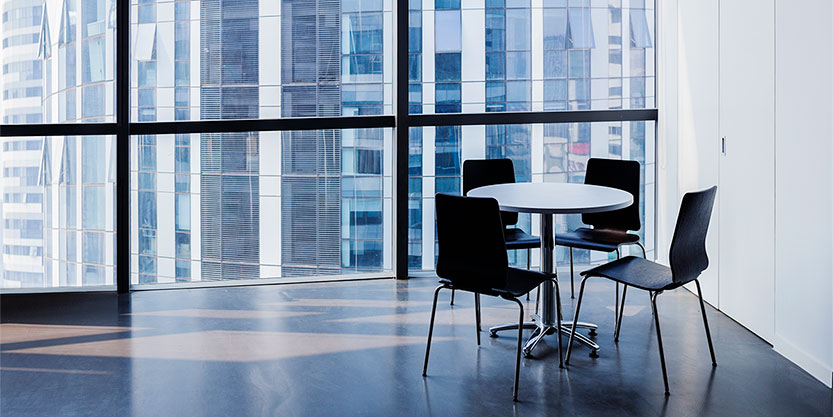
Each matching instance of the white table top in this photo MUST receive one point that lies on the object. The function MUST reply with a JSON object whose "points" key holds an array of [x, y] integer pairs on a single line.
{"points": [[554, 197]]}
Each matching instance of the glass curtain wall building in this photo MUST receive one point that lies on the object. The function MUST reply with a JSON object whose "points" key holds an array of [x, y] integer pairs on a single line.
{"points": [[22, 237], [58, 206], [255, 205]]}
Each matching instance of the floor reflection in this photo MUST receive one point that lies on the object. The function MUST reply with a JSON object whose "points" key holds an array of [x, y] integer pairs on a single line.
{"points": [[356, 348]]}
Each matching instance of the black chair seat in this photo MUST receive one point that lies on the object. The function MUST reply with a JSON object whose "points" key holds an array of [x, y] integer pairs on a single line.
{"points": [[518, 283], [518, 239], [636, 272], [595, 239]]}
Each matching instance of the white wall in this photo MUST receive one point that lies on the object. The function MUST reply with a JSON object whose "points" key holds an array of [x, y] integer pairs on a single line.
{"points": [[804, 203], [803, 189], [698, 123]]}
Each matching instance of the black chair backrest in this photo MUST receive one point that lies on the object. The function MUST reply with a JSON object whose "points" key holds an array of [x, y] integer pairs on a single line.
{"points": [[623, 175], [472, 251], [688, 256], [483, 172]]}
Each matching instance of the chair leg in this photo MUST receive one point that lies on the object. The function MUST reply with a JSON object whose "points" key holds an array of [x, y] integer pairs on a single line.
{"points": [[616, 304], [431, 328], [621, 313], [477, 316], [706, 322], [572, 283], [451, 303], [520, 344], [644, 256], [575, 321], [558, 317], [528, 252], [659, 341]]}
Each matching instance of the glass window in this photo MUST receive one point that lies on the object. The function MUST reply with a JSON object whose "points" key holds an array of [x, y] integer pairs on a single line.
{"points": [[518, 65], [183, 212], [331, 184], [182, 10], [447, 67], [640, 34], [365, 33], [448, 37], [555, 29], [495, 30], [448, 93], [183, 245], [414, 32], [93, 101], [555, 64], [447, 4], [414, 67], [581, 29], [495, 66], [93, 15], [517, 29], [564, 150], [147, 242], [94, 152], [147, 74], [182, 73], [93, 60]]}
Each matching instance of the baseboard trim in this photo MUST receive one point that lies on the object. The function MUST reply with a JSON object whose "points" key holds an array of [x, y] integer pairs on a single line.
{"points": [[805, 361]]}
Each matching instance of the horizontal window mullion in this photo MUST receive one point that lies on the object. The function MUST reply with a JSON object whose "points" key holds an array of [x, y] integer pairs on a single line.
{"points": [[504, 118], [339, 122]]}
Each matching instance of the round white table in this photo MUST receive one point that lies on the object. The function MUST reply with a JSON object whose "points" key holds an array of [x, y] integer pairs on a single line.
{"points": [[548, 199]]}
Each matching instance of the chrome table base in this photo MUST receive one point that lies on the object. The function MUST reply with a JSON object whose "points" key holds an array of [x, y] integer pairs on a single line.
{"points": [[541, 330], [547, 322]]}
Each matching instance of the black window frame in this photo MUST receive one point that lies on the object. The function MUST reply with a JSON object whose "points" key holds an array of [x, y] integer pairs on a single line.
{"points": [[400, 121]]}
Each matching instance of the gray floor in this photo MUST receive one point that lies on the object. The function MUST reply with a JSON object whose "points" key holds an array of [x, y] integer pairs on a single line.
{"points": [[356, 348]]}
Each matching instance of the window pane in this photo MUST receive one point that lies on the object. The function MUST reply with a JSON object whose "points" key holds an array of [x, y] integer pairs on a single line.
{"points": [[213, 207], [249, 59], [448, 31], [608, 45], [58, 208], [58, 48], [540, 153]]}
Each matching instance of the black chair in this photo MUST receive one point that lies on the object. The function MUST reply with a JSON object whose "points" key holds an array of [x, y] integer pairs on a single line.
{"points": [[688, 260], [472, 257], [610, 229], [482, 172]]}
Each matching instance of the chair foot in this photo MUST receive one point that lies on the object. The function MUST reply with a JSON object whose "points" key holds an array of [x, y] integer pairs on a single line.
{"points": [[594, 353]]}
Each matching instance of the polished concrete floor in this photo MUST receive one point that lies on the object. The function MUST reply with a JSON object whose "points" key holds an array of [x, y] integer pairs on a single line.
{"points": [[356, 348]]}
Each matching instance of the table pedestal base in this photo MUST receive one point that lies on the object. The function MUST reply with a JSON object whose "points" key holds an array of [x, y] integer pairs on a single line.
{"points": [[541, 330]]}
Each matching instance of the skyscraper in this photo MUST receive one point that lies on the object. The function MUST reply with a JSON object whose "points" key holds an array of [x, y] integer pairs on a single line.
{"points": [[22, 231]]}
